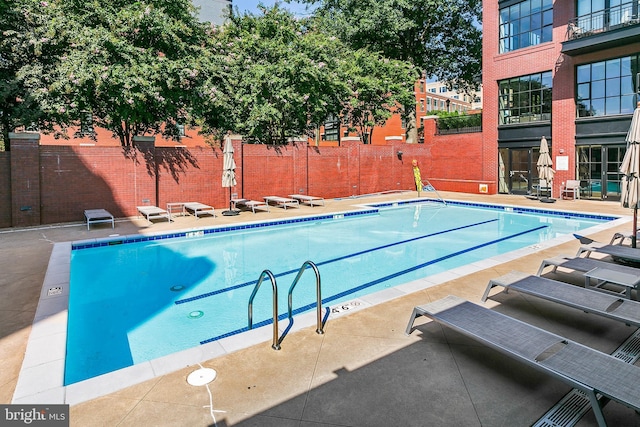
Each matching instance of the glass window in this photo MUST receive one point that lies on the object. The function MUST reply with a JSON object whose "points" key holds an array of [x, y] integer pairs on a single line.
{"points": [[525, 98], [606, 87], [86, 123], [524, 24], [331, 128]]}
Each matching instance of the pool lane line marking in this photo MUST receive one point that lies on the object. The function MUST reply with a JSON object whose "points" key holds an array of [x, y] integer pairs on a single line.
{"points": [[402, 242], [372, 283]]}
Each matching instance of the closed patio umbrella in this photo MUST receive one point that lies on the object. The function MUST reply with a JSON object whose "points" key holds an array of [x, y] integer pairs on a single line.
{"points": [[228, 172], [630, 167], [545, 172]]}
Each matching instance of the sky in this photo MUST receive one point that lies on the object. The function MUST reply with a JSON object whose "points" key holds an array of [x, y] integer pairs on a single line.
{"points": [[252, 6]]}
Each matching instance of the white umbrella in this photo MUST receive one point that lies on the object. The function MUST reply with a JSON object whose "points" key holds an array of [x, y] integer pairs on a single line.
{"points": [[630, 167], [544, 163], [228, 171]]}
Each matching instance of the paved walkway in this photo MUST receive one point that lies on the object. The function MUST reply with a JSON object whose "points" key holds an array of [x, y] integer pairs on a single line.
{"points": [[364, 371]]}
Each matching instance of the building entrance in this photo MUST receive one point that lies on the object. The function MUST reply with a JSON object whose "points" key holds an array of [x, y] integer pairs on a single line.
{"points": [[599, 171], [518, 173]]}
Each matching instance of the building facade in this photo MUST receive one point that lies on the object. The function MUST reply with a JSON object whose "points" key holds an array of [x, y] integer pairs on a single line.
{"points": [[458, 101], [565, 70], [430, 98]]}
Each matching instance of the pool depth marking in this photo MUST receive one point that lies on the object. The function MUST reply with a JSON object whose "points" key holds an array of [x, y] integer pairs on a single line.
{"points": [[241, 285], [373, 283]]}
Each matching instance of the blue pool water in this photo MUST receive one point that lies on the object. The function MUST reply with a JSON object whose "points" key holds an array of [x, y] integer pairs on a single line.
{"points": [[133, 301]]}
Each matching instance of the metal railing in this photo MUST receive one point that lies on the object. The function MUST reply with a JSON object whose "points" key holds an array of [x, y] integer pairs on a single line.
{"points": [[267, 273], [603, 20], [459, 124], [306, 264]]}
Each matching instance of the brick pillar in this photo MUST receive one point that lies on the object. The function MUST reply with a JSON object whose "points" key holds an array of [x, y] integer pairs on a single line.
{"points": [[25, 179], [146, 171], [300, 166], [353, 146]]}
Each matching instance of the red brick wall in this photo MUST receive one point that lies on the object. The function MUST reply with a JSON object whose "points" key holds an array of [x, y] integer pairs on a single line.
{"points": [[25, 182], [79, 178], [5, 189], [331, 170], [193, 174], [449, 162], [534, 59], [73, 178]]}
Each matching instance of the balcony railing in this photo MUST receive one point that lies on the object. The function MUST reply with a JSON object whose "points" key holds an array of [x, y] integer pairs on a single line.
{"points": [[603, 20], [459, 124]]}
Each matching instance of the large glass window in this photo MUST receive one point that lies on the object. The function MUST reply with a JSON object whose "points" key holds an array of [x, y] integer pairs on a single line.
{"points": [[599, 15], [525, 24], [525, 98], [607, 87]]}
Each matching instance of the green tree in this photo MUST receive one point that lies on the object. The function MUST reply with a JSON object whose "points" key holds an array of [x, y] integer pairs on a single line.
{"points": [[281, 78], [23, 41], [440, 37], [380, 87], [135, 67]]}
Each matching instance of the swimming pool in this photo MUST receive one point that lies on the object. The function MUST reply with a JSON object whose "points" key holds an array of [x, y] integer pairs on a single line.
{"points": [[136, 299]]}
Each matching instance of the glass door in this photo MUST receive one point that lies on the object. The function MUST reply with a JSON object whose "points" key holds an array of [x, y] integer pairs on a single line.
{"points": [[611, 180], [599, 171], [520, 171]]}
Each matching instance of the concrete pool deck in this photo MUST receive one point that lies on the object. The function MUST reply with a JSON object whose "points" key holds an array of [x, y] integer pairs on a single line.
{"points": [[364, 371]]}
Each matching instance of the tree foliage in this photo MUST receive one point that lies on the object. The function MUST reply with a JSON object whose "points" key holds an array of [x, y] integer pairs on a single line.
{"points": [[134, 66], [143, 67], [440, 37], [24, 41], [282, 78], [379, 88]]}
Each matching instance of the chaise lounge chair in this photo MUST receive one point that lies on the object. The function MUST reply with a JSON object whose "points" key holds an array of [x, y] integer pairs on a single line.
{"points": [[599, 375], [198, 209], [250, 204], [582, 264], [282, 201], [619, 253], [93, 216], [607, 274], [311, 200], [153, 212], [610, 306]]}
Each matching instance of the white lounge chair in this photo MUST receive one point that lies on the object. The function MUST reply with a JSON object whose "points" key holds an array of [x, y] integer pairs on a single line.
{"points": [[93, 216], [311, 200], [250, 204], [153, 212], [282, 201], [198, 209]]}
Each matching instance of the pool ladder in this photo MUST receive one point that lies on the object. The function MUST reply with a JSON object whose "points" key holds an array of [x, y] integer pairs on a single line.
{"points": [[266, 273]]}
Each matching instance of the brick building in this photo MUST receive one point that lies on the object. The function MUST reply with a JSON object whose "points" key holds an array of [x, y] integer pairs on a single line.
{"points": [[565, 70], [430, 97]]}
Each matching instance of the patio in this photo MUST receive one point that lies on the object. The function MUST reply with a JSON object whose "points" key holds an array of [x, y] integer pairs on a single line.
{"points": [[364, 371]]}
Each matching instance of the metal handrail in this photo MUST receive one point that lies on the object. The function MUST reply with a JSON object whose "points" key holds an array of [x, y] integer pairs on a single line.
{"points": [[304, 266], [276, 343], [602, 20], [444, 202]]}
